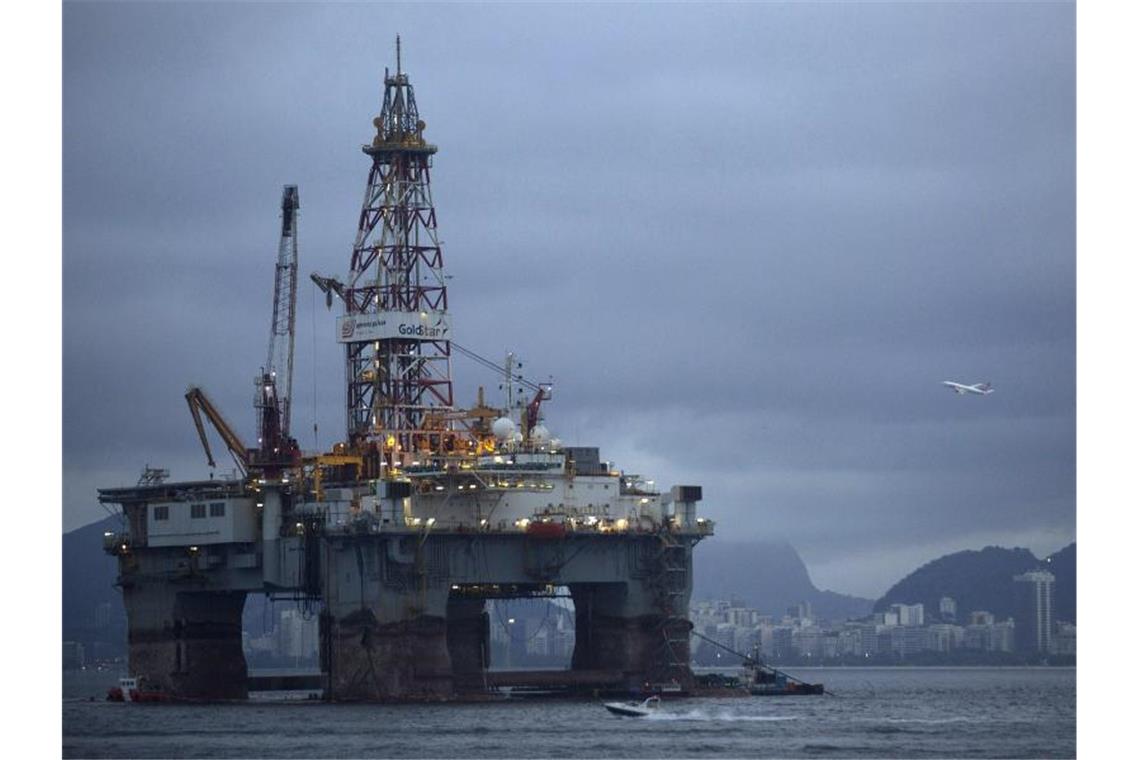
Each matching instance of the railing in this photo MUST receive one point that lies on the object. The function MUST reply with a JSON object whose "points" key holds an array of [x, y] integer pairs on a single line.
{"points": [[339, 521]]}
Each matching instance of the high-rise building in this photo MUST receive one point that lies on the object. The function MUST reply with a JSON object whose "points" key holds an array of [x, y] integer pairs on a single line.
{"points": [[297, 634], [907, 640], [801, 611], [943, 637], [539, 643], [859, 639], [1003, 636], [807, 641], [948, 609], [888, 618], [1033, 611], [908, 614], [741, 616], [981, 617], [977, 636], [1065, 639], [776, 642]]}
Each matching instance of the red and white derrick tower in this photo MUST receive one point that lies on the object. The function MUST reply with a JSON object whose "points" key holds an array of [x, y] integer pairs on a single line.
{"points": [[396, 328]]}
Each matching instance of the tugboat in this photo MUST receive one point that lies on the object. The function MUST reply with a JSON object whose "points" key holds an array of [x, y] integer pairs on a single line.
{"points": [[766, 681]]}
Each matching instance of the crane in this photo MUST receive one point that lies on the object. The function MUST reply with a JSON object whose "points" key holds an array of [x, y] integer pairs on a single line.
{"points": [[275, 382], [274, 396], [200, 404], [530, 415]]}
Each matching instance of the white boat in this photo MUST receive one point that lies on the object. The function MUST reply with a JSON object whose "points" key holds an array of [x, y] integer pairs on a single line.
{"points": [[634, 709]]}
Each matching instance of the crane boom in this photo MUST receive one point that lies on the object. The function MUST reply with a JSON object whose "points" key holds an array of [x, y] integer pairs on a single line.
{"points": [[199, 404], [530, 416], [279, 365], [275, 384], [330, 286]]}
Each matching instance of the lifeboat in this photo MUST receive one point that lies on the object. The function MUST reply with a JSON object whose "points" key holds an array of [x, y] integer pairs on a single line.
{"points": [[546, 530]]}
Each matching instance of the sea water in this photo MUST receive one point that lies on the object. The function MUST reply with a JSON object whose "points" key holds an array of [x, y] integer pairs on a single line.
{"points": [[876, 712]]}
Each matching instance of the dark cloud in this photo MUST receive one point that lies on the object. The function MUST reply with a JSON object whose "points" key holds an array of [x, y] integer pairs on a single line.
{"points": [[747, 241]]}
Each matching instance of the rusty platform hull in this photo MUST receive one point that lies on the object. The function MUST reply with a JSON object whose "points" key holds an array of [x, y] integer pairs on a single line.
{"points": [[403, 615]]}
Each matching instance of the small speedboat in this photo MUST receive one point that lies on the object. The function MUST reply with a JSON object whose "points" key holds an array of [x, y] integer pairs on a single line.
{"points": [[634, 709]]}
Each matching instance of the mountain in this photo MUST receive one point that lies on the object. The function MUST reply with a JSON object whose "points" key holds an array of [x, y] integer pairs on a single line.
{"points": [[983, 580], [769, 576], [93, 612]]}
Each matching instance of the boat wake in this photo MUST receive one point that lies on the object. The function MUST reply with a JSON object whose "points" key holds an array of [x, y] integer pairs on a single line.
{"points": [[727, 717], [921, 720]]}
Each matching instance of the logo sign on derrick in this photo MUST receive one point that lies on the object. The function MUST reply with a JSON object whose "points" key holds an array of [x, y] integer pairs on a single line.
{"points": [[404, 325]]}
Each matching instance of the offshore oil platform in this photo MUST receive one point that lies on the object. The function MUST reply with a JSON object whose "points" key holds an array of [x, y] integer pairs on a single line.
{"points": [[401, 533]]}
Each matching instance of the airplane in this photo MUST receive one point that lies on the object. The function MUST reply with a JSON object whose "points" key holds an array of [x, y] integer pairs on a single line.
{"points": [[981, 389]]}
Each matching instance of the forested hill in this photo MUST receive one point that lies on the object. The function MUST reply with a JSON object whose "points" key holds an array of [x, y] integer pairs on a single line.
{"points": [[983, 580]]}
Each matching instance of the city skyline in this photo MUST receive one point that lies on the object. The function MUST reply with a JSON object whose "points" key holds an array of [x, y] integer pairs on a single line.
{"points": [[900, 632]]}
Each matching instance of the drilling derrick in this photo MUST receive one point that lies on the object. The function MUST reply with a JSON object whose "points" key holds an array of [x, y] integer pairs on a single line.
{"points": [[274, 394], [396, 328]]}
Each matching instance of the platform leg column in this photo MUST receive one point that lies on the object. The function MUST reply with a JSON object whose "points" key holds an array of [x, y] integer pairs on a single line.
{"points": [[620, 627], [186, 644], [468, 635], [386, 629]]}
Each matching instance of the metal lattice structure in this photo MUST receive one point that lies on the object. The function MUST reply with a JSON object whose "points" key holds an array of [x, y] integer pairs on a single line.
{"points": [[396, 328], [274, 396], [279, 365]]}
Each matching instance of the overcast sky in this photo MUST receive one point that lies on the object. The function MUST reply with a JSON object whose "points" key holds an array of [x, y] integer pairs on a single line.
{"points": [[746, 241]]}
